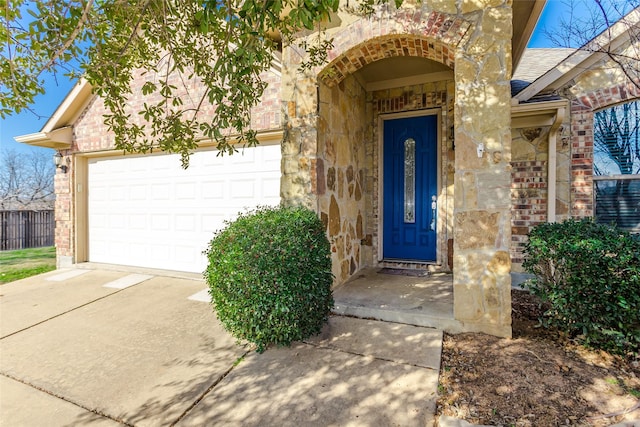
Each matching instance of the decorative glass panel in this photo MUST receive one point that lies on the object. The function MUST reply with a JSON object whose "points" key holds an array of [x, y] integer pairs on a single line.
{"points": [[410, 181]]}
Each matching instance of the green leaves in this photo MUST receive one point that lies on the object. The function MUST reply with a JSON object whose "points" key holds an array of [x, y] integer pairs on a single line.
{"points": [[590, 275], [49, 37], [269, 276], [203, 62]]}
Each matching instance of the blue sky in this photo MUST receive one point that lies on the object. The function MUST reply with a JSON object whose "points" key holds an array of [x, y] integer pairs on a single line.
{"points": [[27, 122], [56, 89], [551, 14]]}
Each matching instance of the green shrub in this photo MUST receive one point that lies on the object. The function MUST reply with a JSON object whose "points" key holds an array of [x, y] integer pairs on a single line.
{"points": [[269, 276], [590, 275]]}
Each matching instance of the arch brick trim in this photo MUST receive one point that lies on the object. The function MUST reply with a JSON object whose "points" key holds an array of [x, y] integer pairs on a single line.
{"points": [[431, 35], [603, 98]]}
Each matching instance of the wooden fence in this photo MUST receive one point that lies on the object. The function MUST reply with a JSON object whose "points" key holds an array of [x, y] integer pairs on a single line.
{"points": [[26, 229]]}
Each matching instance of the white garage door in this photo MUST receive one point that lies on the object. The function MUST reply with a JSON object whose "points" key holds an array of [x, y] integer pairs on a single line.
{"points": [[147, 211]]}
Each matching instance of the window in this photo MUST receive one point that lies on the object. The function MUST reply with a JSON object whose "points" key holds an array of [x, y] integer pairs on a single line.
{"points": [[410, 181], [616, 165]]}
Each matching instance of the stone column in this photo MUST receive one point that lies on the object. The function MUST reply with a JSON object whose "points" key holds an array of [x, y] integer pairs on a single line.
{"points": [[300, 143], [482, 230]]}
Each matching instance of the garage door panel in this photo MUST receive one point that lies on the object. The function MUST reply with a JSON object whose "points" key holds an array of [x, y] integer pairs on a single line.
{"points": [[160, 191], [243, 188], [147, 211], [185, 190], [213, 189], [212, 223], [137, 222], [137, 193], [160, 252], [117, 193], [267, 184], [159, 222], [245, 156]]}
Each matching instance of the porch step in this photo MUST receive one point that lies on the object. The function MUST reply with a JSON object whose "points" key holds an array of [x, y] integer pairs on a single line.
{"points": [[449, 325], [420, 301]]}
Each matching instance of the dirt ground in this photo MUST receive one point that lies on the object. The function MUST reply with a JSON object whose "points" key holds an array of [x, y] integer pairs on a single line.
{"points": [[536, 379]]}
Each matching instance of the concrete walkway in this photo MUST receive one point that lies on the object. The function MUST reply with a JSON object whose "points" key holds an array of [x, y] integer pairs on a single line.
{"points": [[103, 347]]}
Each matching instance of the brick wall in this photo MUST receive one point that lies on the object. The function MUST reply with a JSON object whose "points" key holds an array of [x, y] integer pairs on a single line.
{"points": [[91, 134], [63, 215], [385, 46], [574, 167], [529, 198]]}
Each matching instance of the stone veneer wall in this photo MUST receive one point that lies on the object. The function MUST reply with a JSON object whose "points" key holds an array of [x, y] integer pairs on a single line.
{"points": [[90, 134], [482, 215], [474, 38], [427, 96], [529, 183], [340, 181]]}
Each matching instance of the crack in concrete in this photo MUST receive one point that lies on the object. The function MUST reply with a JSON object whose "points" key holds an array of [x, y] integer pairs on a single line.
{"points": [[208, 390], [353, 353], [52, 394]]}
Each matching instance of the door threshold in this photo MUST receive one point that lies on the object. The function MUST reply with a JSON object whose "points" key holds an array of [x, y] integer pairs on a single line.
{"points": [[430, 266], [415, 272]]}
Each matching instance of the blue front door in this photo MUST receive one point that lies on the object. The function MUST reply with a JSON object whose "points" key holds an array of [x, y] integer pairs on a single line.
{"points": [[409, 188]]}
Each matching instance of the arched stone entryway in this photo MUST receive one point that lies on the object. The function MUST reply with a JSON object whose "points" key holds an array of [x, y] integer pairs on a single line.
{"points": [[349, 156], [330, 150]]}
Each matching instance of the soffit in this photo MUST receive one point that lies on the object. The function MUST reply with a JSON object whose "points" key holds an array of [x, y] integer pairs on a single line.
{"points": [[399, 67], [525, 18]]}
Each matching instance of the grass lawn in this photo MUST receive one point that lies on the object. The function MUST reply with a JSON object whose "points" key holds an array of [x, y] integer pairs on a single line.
{"points": [[16, 265]]}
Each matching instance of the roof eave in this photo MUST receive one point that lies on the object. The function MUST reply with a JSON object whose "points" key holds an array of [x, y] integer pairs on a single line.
{"points": [[58, 139], [521, 40], [581, 60], [70, 108], [536, 114], [57, 132]]}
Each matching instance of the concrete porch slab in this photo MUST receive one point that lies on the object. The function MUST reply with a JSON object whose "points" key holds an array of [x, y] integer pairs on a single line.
{"points": [[421, 301]]}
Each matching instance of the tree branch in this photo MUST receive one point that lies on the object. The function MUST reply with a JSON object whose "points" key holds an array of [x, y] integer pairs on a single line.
{"points": [[72, 37]]}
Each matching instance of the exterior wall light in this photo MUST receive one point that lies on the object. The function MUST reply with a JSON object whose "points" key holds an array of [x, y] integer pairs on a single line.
{"points": [[59, 161]]}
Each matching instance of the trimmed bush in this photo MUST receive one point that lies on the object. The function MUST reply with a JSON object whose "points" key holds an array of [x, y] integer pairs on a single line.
{"points": [[269, 276], [589, 274]]}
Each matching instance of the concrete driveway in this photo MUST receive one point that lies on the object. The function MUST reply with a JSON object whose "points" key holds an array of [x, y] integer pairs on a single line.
{"points": [[103, 347]]}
